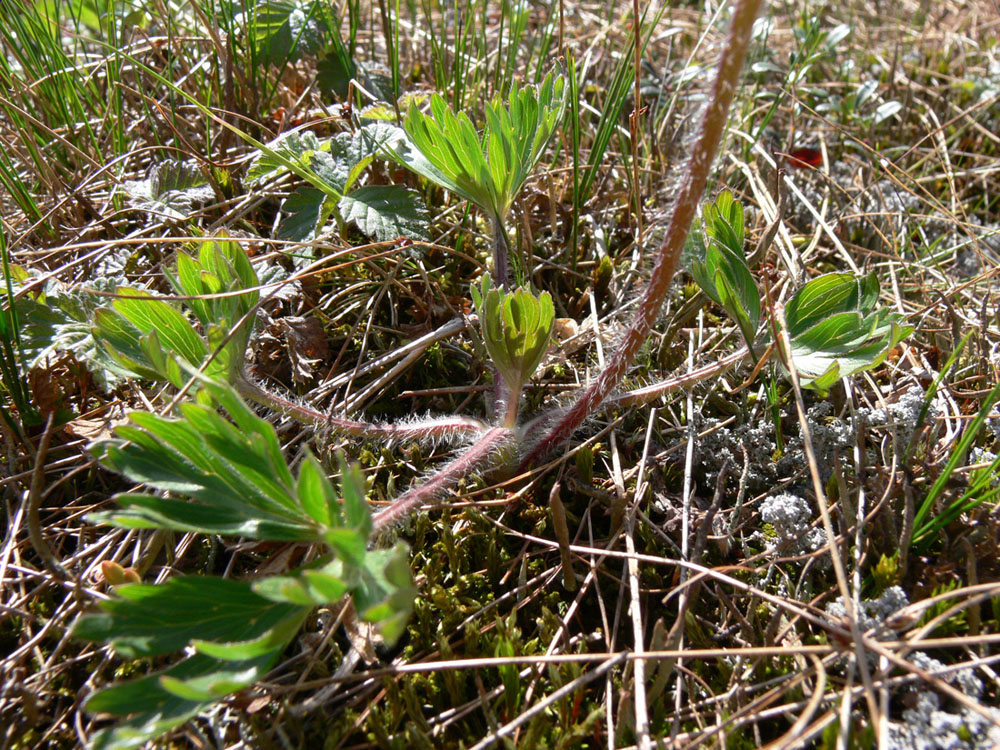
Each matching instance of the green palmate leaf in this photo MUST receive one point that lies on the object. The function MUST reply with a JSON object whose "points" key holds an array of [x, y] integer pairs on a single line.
{"points": [[237, 475], [490, 170], [724, 221], [237, 480], [153, 709], [386, 212], [516, 330], [142, 335], [147, 619], [835, 330], [239, 483], [517, 135], [445, 148]]}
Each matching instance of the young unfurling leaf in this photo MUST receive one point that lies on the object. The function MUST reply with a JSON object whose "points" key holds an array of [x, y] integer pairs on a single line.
{"points": [[720, 267], [516, 329]]}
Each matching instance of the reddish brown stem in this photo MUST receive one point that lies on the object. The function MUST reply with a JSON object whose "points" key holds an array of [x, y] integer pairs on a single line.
{"points": [[430, 429], [491, 444], [685, 210]]}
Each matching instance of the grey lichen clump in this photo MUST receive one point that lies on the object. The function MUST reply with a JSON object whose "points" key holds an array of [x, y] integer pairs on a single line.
{"points": [[872, 613], [750, 446], [993, 422], [928, 726], [790, 516], [902, 415], [830, 436]]}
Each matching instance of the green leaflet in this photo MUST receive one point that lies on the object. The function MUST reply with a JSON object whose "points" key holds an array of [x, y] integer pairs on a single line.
{"points": [[386, 212], [151, 619]]}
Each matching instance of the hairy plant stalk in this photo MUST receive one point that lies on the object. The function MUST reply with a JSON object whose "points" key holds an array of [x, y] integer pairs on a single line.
{"points": [[431, 429], [685, 210], [502, 397], [511, 409], [492, 443]]}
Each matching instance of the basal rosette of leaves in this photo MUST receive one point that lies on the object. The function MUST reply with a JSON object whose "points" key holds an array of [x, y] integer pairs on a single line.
{"points": [[228, 476]]}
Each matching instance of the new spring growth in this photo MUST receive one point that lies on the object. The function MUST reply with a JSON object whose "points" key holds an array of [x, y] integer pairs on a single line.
{"points": [[516, 329]]}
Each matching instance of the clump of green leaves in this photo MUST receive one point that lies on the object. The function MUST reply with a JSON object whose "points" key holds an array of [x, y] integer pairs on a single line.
{"points": [[834, 326], [516, 330], [835, 329], [232, 480], [720, 268], [148, 337]]}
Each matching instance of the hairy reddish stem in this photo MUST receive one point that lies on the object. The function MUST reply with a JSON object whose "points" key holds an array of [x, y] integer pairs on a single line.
{"points": [[490, 444], [441, 427], [685, 210]]}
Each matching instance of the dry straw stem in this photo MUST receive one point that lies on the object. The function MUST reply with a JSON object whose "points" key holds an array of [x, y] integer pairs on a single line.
{"points": [[685, 209]]}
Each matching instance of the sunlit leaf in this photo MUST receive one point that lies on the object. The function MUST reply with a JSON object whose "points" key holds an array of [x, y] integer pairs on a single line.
{"points": [[386, 212], [835, 330], [149, 619]]}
